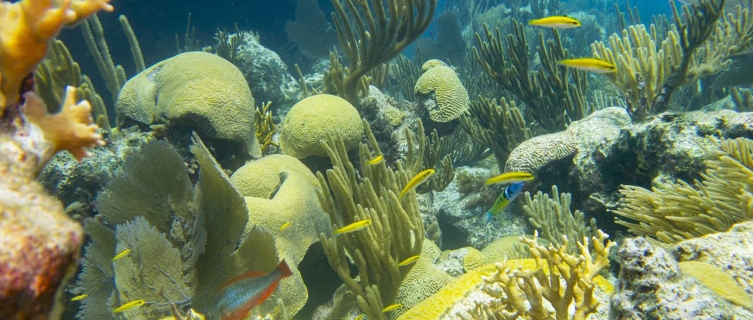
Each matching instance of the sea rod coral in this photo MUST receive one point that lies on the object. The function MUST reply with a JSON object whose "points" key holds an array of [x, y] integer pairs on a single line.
{"points": [[39, 245]]}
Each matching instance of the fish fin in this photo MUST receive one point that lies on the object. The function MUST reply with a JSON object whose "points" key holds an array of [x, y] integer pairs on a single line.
{"points": [[284, 269], [487, 217]]}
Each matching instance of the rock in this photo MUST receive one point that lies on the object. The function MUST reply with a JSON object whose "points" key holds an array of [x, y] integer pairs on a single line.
{"points": [[266, 74], [39, 243], [731, 251], [652, 287]]}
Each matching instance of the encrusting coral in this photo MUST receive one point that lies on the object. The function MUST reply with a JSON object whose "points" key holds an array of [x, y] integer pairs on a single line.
{"points": [[676, 211], [39, 244]]}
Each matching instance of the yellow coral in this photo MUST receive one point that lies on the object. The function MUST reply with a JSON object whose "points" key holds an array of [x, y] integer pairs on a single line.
{"points": [[313, 119], [452, 98], [193, 85], [394, 116], [71, 129], [25, 30], [473, 259], [279, 189]]}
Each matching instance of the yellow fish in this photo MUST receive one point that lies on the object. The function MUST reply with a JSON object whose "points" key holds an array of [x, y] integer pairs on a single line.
{"points": [[121, 254], [392, 307], [420, 178], [509, 177], [79, 297], [408, 261], [129, 306], [561, 22], [377, 160], [285, 226], [589, 64], [360, 317], [355, 226]]}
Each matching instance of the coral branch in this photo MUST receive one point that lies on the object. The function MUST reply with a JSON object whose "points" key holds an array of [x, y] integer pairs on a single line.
{"points": [[71, 129]]}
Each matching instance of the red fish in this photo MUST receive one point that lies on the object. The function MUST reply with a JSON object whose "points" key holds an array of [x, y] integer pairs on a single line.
{"points": [[241, 294]]}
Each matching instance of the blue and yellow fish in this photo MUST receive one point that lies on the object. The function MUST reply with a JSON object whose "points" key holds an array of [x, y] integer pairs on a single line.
{"points": [[511, 192], [239, 295]]}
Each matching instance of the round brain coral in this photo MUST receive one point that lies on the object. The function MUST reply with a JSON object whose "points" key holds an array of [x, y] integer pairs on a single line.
{"points": [[452, 98], [311, 120], [197, 90]]}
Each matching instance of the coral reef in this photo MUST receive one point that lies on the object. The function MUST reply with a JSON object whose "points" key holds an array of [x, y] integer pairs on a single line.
{"points": [[195, 90], [266, 74], [650, 68], [676, 211], [553, 219], [371, 33], [554, 95], [519, 288], [279, 189], [396, 232], [440, 84], [729, 252], [313, 119], [39, 243], [651, 285], [184, 241]]}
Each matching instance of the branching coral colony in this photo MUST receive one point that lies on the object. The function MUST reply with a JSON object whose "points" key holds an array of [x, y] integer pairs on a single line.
{"points": [[39, 243]]}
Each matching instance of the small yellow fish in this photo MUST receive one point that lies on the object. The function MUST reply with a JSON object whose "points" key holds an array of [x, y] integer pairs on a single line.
{"points": [[509, 177], [355, 226], [561, 22], [79, 297], [392, 307], [121, 254], [377, 160], [408, 261], [129, 306], [360, 317], [285, 226], [589, 64], [420, 178]]}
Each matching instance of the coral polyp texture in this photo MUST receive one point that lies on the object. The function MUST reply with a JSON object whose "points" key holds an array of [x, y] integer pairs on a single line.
{"points": [[451, 96], [313, 119], [39, 244]]}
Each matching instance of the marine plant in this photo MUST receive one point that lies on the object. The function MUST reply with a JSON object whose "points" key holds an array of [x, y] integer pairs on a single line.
{"points": [[160, 239], [650, 66], [371, 33], [265, 127], [676, 211], [396, 232]]}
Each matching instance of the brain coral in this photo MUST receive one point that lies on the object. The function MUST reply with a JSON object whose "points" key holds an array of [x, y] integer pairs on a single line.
{"points": [[279, 189], [452, 98], [195, 89], [311, 120]]}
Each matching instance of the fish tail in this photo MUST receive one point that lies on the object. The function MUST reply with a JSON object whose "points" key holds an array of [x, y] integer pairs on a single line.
{"points": [[283, 269], [488, 217]]}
